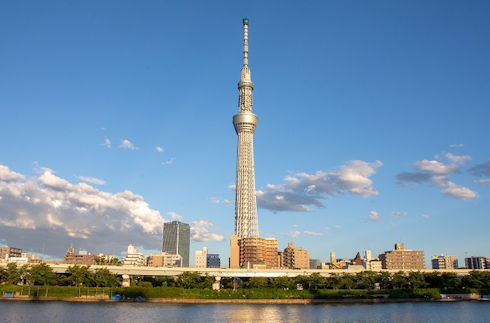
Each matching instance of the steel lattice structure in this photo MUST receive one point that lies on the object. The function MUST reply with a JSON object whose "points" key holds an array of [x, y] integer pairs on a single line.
{"points": [[245, 123]]}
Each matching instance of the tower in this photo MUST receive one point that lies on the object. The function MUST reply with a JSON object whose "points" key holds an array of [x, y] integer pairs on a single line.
{"points": [[177, 240], [245, 123]]}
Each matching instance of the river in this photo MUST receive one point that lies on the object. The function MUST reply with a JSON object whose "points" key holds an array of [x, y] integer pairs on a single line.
{"points": [[20, 311]]}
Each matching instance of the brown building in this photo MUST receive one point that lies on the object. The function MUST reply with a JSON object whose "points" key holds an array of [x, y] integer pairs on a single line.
{"points": [[78, 259], [255, 252], [9, 252], [165, 260], [294, 257], [234, 252], [400, 258]]}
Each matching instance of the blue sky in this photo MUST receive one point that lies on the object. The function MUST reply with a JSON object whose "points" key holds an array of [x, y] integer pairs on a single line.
{"points": [[382, 106]]}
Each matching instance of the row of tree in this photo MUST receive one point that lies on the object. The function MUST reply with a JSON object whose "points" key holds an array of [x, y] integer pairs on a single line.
{"points": [[43, 274]]}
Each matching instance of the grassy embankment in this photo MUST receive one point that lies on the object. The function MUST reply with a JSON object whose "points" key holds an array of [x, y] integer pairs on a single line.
{"points": [[252, 293]]}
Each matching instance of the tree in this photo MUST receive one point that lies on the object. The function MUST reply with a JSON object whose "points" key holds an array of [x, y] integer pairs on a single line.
{"points": [[416, 279], [384, 280], [42, 274], [399, 280], [477, 279], [257, 282], [282, 282], [80, 276], [12, 274], [365, 279], [104, 278], [190, 280]]}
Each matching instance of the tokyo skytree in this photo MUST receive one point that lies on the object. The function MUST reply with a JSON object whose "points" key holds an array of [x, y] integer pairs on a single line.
{"points": [[245, 123]]}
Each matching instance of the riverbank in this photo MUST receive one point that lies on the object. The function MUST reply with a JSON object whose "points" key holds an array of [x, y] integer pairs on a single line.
{"points": [[105, 299]]}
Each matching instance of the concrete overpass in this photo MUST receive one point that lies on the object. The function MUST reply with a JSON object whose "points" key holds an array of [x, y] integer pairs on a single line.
{"points": [[239, 273]]}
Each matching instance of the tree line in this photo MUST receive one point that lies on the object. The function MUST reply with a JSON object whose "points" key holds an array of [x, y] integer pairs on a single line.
{"points": [[42, 274]]}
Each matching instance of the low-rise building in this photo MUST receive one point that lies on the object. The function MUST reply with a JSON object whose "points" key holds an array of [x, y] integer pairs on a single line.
{"points": [[444, 262], [477, 262], [7, 252], [295, 257], [134, 258], [401, 258], [213, 260], [165, 260], [200, 258], [84, 259], [315, 264], [373, 264]]}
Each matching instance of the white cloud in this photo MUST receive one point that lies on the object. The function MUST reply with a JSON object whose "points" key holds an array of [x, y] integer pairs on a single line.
{"points": [[200, 233], [232, 187], [483, 181], [126, 144], [159, 149], [92, 180], [303, 189], [373, 216], [169, 162], [7, 175], [107, 143], [292, 234], [53, 210], [437, 173], [398, 214], [424, 215], [337, 226], [174, 215], [458, 159], [312, 234], [435, 167], [214, 200], [456, 145]]}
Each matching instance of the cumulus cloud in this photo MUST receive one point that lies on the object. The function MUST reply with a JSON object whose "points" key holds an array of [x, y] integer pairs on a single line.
{"points": [[200, 232], [303, 190], [92, 180], [312, 234], [175, 215], [7, 175], [159, 149], [373, 216], [398, 214], [437, 173], [126, 144], [169, 162], [481, 170], [52, 210]]}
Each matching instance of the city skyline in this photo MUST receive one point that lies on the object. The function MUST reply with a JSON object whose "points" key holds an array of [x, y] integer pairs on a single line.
{"points": [[373, 125]]}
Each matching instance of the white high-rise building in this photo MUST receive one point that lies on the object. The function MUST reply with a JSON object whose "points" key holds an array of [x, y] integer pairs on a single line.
{"points": [[134, 258], [367, 255], [201, 258], [245, 123]]}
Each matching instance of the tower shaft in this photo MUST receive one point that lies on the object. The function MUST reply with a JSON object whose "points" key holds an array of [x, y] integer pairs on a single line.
{"points": [[245, 122]]}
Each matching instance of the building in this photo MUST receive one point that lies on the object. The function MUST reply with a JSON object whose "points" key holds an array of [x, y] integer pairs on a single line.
{"points": [[295, 257], [165, 260], [373, 264], [134, 258], [177, 240], [444, 262], [8, 252], [258, 253], [245, 123], [477, 262], [213, 260], [200, 258], [84, 259], [401, 258], [315, 264], [367, 255], [234, 252]]}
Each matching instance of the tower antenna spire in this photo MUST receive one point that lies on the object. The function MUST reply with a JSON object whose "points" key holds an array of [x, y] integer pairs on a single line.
{"points": [[245, 42]]}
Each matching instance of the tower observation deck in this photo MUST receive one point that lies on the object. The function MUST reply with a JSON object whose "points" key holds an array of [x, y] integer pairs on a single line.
{"points": [[245, 122]]}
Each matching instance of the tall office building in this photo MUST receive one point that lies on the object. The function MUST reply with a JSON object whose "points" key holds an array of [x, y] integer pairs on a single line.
{"points": [[245, 123], [177, 240]]}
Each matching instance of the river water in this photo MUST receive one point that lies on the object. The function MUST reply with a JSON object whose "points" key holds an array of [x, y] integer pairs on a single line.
{"points": [[20, 311]]}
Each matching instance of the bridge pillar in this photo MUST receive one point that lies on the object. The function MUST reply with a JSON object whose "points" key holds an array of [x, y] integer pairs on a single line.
{"points": [[126, 281], [217, 283]]}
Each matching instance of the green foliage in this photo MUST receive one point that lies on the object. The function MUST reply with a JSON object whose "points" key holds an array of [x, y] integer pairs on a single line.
{"points": [[80, 276], [12, 274], [477, 279], [257, 282], [42, 274], [104, 278], [190, 280]]}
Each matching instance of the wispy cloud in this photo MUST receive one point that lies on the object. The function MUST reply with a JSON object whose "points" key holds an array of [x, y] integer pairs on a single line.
{"points": [[312, 233], [169, 161], [159, 149], [373, 216], [456, 145], [214, 200], [425, 215], [92, 180], [107, 143], [174, 215], [126, 144], [303, 190], [398, 214], [481, 170], [482, 181], [292, 234]]}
